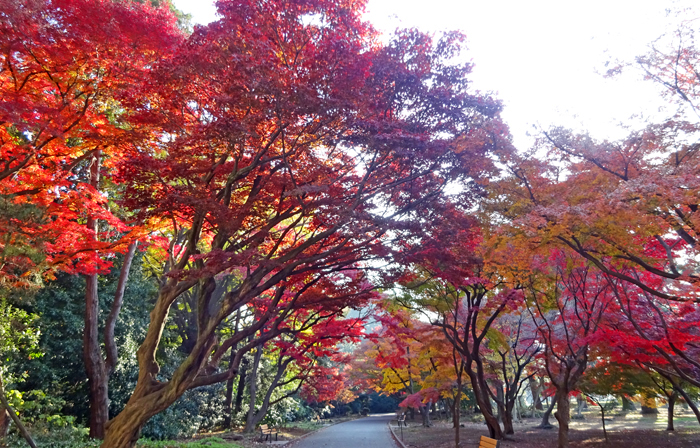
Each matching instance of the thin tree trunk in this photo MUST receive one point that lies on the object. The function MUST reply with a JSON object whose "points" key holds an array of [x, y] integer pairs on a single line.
{"points": [[688, 399], [671, 406], [95, 367], [94, 363], [563, 415], [228, 417], [508, 417], [229, 396], [252, 388], [456, 409], [425, 413], [580, 404], [535, 390], [4, 424], [500, 403], [8, 409], [241, 387], [486, 410], [111, 350], [265, 405]]}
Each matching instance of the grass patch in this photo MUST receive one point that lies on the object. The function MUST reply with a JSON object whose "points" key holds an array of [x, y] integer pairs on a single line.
{"points": [[209, 442], [305, 425]]}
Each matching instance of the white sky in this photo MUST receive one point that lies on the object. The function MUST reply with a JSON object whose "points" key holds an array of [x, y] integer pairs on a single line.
{"points": [[541, 57]]}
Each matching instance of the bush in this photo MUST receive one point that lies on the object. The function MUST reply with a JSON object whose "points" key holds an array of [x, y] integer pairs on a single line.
{"points": [[195, 410], [51, 437]]}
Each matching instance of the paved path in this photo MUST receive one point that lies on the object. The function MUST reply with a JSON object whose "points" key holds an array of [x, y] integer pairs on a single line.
{"points": [[368, 432]]}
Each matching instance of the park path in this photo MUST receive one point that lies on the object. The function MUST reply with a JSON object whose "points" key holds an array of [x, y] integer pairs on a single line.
{"points": [[368, 432]]}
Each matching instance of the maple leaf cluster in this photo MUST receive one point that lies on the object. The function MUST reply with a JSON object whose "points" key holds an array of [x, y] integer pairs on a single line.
{"points": [[62, 85]]}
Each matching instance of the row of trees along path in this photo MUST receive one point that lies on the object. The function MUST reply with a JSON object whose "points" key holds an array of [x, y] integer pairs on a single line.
{"points": [[282, 164]]}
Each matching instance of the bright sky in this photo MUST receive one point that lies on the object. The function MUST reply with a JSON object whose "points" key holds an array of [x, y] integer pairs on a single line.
{"points": [[543, 58]]}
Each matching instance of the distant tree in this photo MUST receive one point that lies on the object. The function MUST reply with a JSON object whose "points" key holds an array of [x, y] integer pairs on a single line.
{"points": [[567, 300]]}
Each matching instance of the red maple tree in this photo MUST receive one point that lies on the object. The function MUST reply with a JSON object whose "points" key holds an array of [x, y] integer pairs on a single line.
{"points": [[290, 143]]}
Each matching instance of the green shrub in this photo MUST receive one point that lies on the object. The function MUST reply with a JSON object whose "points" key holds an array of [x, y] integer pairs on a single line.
{"points": [[195, 410], [45, 437]]}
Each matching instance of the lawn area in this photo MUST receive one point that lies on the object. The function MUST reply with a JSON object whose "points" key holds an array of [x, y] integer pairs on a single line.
{"points": [[630, 430]]}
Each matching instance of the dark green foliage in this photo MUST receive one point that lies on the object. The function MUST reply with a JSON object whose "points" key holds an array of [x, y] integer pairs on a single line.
{"points": [[55, 437], [375, 403], [60, 373]]}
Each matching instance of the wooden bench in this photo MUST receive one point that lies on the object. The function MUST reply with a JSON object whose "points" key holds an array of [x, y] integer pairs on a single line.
{"points": [[486, 442], [401, 420], [267, 432]]}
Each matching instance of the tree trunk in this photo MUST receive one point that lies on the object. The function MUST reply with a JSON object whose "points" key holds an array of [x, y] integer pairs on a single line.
{"points": [[500, 402], [124, 430], [535, 390], [240, 389], [547, 413], [508, 417], [95, 367], [649, 406], [580, 405], [229, 396], [4, 424], [627, 404], [563, 415], [448, 406], [671, 405], [425, 413], [8, 410], [252, 388], [228, 417], [491, 421], [265, 405], [94, 363], [456, 408], [483, 400]]}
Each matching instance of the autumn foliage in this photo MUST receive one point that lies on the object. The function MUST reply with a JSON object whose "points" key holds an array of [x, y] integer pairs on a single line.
{"points": [[283, 163]]}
